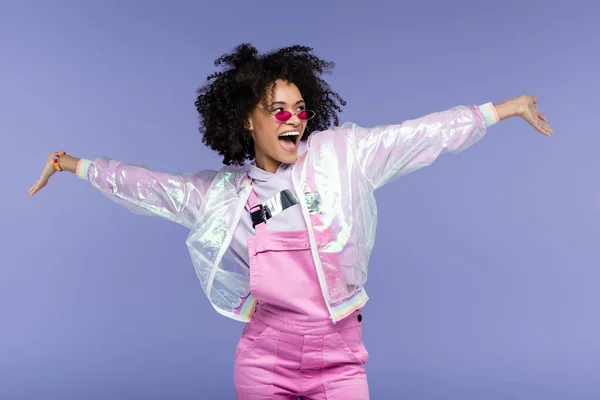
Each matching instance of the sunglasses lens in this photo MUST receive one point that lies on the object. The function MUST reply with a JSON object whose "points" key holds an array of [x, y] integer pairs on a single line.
{"points": [[283, 116], [306, 115]]}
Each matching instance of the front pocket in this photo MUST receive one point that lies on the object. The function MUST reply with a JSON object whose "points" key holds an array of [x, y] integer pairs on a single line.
{"points": [[273, 275], [253, 333], [280, 241], [355, 389], [351, 340], [260, 392]]}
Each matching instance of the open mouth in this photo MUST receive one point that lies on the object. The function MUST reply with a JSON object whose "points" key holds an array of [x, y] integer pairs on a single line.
{"points": [[289, 140]]}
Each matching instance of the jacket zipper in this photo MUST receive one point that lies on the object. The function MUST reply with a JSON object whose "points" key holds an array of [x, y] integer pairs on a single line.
{"points": [[313, 244]]}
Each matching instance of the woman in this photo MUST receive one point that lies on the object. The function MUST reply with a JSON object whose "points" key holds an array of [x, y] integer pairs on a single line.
{"points": [[282, 234]]}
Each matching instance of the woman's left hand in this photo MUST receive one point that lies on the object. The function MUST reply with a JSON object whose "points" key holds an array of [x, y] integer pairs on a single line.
{"points": [[530, 113], [525, 107]]}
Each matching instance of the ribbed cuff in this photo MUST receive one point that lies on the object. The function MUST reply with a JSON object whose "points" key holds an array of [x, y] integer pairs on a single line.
{"points": [[489, 112], [83, 167]]}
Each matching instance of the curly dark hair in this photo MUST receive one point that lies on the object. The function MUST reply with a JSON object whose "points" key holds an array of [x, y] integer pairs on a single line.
{"points": [[230, 95]]}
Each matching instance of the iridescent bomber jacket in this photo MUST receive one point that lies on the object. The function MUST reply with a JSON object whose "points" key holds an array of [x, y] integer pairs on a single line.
{"points": [[335, 175]]}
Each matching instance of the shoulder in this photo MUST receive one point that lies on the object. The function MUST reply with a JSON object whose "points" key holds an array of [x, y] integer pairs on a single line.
{"points": [[334, 135], [229, 177]]}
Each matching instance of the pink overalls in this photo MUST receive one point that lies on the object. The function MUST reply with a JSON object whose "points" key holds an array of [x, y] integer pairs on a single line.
{"points": [[290, 349]]}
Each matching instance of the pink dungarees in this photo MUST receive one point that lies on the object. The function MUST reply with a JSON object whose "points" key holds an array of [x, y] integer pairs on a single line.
{"points": [[290, 349]]}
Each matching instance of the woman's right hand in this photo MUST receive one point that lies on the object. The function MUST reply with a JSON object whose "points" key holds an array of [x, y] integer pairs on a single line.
{"points": [[47, 172]]}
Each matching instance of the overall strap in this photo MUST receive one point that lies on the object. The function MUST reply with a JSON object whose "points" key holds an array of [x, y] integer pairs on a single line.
{"points": [[253, 200], [258, 213]]}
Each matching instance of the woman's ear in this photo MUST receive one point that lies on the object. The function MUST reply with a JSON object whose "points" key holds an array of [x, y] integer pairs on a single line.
{"points": [[250, 121], [251, 126]]}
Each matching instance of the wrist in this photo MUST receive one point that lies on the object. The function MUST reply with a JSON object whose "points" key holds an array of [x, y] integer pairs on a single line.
{"points": [[65, 162], [68, 163], [509, 108]]}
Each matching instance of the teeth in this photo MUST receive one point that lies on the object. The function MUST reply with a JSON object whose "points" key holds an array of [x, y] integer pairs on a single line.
{"points": [[290, 134]]}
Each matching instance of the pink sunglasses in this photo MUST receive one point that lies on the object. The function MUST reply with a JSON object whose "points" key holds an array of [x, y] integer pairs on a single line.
{"points": [[303, 115]]}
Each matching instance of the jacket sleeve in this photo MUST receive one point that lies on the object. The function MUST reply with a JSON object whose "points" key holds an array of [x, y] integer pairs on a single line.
{"points": [[385, 153], [175, 197]]}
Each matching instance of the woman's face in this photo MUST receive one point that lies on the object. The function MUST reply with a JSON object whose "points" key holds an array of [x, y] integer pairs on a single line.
{"points": [[275, 141]]}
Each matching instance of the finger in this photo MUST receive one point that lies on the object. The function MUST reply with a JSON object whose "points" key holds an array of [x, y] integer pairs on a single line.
{"points": [[34, 188], [39, 185], [542, 117], [37, 182], [535, 100], [545, 128], [542, 124], [544, 131]]}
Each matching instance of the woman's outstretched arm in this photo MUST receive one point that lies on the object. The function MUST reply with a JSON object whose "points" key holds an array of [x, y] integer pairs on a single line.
{"points": [[387, 152], [176, 197]]}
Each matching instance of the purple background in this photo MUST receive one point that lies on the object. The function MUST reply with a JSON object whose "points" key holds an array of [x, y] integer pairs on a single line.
{"points": [[485, 272]]}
